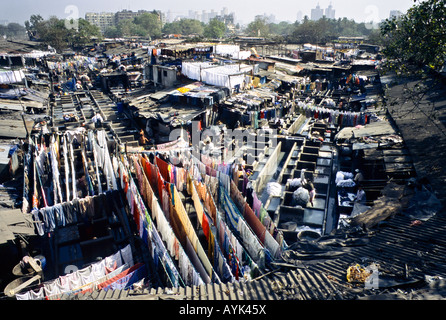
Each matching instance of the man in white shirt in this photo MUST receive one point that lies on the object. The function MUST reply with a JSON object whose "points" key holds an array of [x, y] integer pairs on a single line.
{"points": [[97, 120]]}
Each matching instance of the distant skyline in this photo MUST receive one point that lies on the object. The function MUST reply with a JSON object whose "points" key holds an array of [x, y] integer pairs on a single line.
{"points": [[245, 11]]}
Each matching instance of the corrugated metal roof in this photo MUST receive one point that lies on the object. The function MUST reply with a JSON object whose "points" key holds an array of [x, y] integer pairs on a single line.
{"points": [[293, 285]]}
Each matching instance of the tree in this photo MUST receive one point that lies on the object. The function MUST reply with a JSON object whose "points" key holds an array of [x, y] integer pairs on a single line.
{"points": [[184, 27], [13, 30], [258, 28], [417, 39], [148, 24], [282, 28], [33, 24], [84, 34], [305, 32], [54, 33], [112, 32], [191, 26], [125, 28], [172, 28], [415, 49], [215, 29]]}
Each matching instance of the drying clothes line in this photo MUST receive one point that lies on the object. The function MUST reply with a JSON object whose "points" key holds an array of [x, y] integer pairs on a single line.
{"points": [[222, 254], [259, 222], [249, 236], [51, 152], [239, 226], [274, 240], [176, 250], [178, 217], [92, 277], [220, 263], [9, 77], [231, 252], [335, 117], [147, 232], [228, 76]]}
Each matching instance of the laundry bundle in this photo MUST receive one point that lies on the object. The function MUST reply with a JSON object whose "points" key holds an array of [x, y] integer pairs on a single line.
{"points": [[274, 189]]}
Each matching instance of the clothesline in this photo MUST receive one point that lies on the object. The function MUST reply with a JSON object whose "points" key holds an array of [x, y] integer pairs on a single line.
{"points": [[225, 170], [225, 179], [334, 116], [100, 275], [176, 250], [178, 177], [147, 232]]}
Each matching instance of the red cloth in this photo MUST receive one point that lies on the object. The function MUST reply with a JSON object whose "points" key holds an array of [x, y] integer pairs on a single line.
{"points": [[160, 186], [205, 226], [119, 276], [164, 169]]}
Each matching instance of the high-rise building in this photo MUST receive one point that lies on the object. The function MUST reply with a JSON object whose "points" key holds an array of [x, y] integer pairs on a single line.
{"points": [[204, 16], [299, 16], [169, 17], [317, 13], [103, 20], [126, 15], [330, 12]]}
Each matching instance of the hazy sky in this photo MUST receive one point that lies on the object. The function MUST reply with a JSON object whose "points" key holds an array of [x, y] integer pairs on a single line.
{"points": [[245, 10]]}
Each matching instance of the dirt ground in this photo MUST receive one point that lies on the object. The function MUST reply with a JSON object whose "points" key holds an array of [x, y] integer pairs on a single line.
{"points": [[421, 121]]}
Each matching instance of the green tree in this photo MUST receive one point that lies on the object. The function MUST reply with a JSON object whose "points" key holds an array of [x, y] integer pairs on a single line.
{"points": [[33, 24], [172, 28], [215, 29], [125, 28], [54, 33], [191, 26], [417, 39], [16, 30], [282, 28], [258, 28], [305, 32], [148, 24], [84, 34], [184, 27], [375, 37], [13, 30], [112, 32]]}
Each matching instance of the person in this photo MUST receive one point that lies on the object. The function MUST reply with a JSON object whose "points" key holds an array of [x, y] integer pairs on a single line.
{"points": [[206, 145], [360, 195], [303, 180], [359, 177], [142, 138], [97, 120], [312, 192]]}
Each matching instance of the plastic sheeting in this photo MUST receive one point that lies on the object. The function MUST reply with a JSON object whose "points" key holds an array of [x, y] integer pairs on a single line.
{"points": [[7, 77], [228, 76]]}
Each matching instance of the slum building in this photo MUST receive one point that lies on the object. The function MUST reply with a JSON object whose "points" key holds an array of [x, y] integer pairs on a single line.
{"points": [[118, 204]]}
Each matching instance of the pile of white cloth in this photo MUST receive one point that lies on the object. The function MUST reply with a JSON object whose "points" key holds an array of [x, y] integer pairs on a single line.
{"points": [[274, 189]]}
